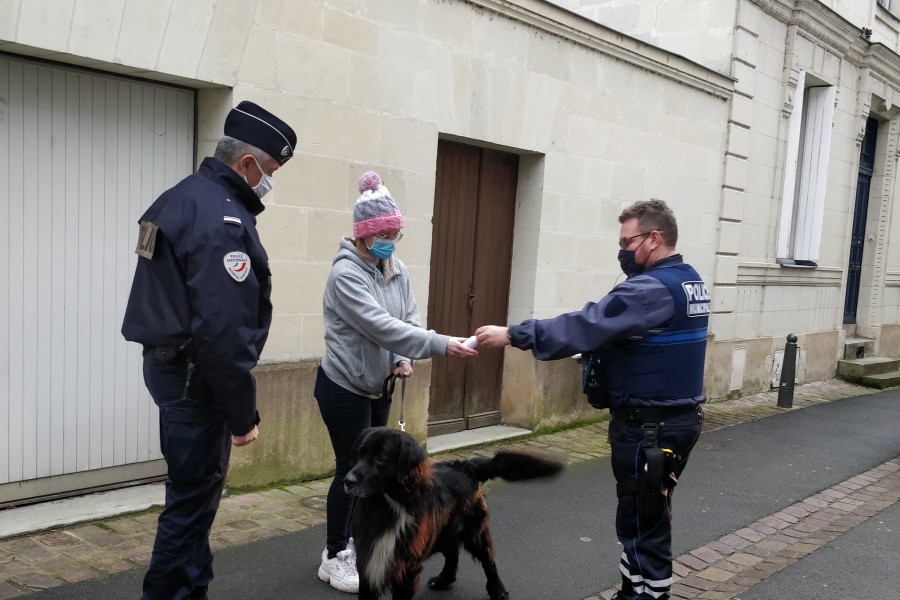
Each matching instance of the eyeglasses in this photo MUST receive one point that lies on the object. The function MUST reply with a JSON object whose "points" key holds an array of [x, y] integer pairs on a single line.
{"points": [[390, 237], [625, 242]]}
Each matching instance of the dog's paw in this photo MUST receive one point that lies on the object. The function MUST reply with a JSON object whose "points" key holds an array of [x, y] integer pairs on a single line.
{"points": [[440, 583]]}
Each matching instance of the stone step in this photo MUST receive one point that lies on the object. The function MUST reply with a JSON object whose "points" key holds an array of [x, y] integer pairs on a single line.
{"points": [[857, 347], [882, 380], [855, 369]]}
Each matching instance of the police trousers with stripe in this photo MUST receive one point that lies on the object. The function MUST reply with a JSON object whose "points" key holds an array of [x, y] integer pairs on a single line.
{"points": [[646, 563], [196, 443]]}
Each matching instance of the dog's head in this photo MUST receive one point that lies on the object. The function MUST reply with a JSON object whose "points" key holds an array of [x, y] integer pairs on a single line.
{"points": [[383, 459]]}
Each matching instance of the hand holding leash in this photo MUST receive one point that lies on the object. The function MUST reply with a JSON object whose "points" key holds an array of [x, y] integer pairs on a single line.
{"points": [[404, 369]]}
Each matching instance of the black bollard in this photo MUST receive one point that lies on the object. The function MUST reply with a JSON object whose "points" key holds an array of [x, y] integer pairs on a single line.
{"points": [[788, 373]]}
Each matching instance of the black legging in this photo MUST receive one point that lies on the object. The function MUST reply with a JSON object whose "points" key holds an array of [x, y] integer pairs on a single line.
{"points": [[345, 414]]}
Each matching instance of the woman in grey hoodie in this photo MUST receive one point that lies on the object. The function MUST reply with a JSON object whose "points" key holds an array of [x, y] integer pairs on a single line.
{"points": [[372, 329]]}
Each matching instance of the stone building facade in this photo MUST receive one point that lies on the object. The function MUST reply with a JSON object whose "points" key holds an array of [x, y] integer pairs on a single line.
{"points": [[809, 241], [593, 119]]}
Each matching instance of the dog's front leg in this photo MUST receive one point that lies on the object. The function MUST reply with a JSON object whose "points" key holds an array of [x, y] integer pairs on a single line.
{"points": [[408, 585], [447, 576], [365, 590]]}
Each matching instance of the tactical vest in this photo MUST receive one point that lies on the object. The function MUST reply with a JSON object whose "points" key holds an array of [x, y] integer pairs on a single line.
{"points": [[665, 367]]}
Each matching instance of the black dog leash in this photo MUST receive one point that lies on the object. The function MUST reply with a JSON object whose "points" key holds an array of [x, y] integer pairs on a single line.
{"points": [[387, 390]]}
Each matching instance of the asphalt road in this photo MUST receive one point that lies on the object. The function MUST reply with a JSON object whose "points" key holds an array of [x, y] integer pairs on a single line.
{"points": [[555, 539]]}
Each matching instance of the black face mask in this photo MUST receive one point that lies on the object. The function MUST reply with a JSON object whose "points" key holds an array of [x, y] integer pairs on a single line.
{"points": [[629, 263]]}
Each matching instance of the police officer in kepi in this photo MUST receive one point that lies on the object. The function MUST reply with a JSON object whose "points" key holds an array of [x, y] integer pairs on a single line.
{"points": [[643, 347], [200, 306]]}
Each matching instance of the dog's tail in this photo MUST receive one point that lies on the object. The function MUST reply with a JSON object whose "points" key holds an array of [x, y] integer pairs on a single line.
{"points": [[514, 466]]}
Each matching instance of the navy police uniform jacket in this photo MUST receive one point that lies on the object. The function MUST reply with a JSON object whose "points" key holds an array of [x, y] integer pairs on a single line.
{"points": [[650, 332], [202, 274]]}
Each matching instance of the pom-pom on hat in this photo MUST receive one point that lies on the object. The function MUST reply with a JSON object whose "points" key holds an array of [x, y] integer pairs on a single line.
{"points": [[375, 212], [258, 127]]}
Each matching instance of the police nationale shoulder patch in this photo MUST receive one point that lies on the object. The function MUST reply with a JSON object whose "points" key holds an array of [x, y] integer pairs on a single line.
{"points": [[238, 265], [146, 244], [697, 295]]}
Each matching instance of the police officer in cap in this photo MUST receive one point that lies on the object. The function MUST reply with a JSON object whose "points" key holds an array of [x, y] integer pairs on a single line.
{"points": [[200, 306], [647, 341]]}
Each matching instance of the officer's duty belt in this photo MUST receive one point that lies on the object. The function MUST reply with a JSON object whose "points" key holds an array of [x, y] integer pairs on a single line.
{"points": [[639, 415]]}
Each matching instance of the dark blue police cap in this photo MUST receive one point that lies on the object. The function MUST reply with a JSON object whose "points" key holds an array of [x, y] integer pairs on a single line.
{"points": [[258, 127]]}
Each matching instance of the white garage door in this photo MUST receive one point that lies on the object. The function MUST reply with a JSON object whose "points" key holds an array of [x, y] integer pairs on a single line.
{"points": [[81, 156]]}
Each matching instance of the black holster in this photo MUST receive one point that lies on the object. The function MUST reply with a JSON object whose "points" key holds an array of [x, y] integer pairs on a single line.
{"points": [[171, 355], [651, 494], [593, 381], [196, 386], [658, 477]]}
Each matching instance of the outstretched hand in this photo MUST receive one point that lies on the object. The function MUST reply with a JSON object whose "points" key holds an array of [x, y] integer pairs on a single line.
{"points": [[456, 348], [492, 336]]}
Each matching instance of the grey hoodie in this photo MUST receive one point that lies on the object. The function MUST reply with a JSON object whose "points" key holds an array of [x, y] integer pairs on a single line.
{"points": [[371, 322]]}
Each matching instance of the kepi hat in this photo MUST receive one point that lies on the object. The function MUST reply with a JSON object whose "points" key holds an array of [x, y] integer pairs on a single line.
{"points": [[258, 127]]}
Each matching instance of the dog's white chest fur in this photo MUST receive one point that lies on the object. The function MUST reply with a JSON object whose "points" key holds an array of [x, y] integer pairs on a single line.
{"points": [[381, 562]]}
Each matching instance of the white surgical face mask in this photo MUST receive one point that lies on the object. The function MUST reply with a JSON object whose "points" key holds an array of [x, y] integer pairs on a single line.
{"points": [[266, 183]]}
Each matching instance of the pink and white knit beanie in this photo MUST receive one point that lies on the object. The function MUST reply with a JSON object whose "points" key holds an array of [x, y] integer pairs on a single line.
{"points": [[375, 212]]}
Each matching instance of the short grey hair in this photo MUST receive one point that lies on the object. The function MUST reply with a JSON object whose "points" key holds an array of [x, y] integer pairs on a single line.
{"points": [[653, 214], [229, 149]]}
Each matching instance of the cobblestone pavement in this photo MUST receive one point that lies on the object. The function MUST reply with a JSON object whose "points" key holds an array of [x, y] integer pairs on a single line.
{"points": [[719, 570]]}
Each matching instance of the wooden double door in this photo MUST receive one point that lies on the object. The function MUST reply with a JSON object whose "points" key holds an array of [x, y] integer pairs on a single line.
{"points": [[471, 257]]}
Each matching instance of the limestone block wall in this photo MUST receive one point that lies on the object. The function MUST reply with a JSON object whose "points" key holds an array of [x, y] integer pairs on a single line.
{"points": [[755, 302], [762, 301], [890, 341], [764, 45], [371, 84], [293, 442], [600, 120]]}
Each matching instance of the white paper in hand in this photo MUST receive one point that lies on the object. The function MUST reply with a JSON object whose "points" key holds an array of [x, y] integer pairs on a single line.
{"points": [[471, 342]]}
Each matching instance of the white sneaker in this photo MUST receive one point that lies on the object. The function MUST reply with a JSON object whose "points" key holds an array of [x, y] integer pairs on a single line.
{"points": [[340, 571]]}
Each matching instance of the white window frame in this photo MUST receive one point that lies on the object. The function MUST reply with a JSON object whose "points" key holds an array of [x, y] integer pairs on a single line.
{"points": [[805, 173]]}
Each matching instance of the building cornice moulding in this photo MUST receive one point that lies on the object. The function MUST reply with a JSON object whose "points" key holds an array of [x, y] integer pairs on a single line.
{"points": [[780, 9], [764, 274], [819, 23], [885, 62], [555, 20]]}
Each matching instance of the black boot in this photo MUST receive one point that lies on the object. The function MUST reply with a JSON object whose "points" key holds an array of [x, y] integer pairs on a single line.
{"points": [[627, 591]]}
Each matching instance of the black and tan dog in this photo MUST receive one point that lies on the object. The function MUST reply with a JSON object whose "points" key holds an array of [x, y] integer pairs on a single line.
{"points": [[409, 508]]}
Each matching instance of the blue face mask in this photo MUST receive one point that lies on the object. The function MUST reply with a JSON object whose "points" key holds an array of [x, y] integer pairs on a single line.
{"points": [[382, 249]]}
